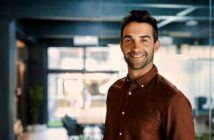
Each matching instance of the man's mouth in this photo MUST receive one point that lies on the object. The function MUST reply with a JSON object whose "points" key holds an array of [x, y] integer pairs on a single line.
{"points": [[136, 56]]}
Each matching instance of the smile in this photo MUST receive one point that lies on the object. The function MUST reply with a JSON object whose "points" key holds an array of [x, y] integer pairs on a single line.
{"points": [[136, 56]]}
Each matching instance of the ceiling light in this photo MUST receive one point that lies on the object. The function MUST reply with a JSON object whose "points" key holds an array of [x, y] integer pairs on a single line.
{"points": [[85, 40], [191, 23], [167, 40]]}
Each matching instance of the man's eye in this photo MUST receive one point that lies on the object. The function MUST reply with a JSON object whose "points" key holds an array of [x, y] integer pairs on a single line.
{"points": [[144, 40], [127, 40]]}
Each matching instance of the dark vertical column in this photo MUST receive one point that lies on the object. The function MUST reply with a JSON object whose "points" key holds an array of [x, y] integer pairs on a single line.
{"points": [[37, 76], [7, 78]]}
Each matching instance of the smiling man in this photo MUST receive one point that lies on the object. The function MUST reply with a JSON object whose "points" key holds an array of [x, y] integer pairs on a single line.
{"points": [[144, 105]]}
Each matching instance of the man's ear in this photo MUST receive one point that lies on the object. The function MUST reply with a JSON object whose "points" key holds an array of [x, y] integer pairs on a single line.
{"points": [[121, 46], [157, 45]]}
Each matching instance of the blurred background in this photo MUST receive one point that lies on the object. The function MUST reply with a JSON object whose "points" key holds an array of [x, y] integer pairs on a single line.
{"points": [[58, 59]]}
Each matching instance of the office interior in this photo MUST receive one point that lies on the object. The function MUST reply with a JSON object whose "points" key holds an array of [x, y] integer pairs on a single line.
{"points": [[58, 58]]}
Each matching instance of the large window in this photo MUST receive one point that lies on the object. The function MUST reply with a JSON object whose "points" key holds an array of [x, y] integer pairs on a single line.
{"points": [[190, 70], [78, 81]]}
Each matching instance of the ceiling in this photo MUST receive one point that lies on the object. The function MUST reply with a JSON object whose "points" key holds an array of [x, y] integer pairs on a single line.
{"points": [[56, 22]]}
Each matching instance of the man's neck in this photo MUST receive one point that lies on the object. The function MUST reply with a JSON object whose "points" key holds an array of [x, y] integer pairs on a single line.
{"points": [[135, 74]]}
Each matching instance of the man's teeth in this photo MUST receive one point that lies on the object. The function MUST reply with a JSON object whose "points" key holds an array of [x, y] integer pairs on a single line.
{"points": [[136, 56]]}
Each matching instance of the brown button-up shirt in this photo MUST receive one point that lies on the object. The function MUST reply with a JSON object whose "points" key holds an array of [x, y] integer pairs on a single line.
{"points": [[149, 108]]}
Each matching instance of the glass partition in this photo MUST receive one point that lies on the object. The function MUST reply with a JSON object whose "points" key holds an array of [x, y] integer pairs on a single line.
{"points": [[80, 91], [190, 72]]}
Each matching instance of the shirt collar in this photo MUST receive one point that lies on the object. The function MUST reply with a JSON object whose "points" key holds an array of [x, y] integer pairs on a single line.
{"points": [[145, 79]]}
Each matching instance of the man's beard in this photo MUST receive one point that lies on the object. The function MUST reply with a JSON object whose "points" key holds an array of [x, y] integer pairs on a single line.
{"points": [[142, 64]]}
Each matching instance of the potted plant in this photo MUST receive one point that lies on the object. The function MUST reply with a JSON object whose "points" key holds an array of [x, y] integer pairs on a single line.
{"points": [[36, 98]]}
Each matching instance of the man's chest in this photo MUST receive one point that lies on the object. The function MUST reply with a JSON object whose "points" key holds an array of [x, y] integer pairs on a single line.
{"points": [[134, 109]]}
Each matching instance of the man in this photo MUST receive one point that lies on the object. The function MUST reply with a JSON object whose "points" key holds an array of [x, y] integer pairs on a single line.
{"points": [[144, 105]]}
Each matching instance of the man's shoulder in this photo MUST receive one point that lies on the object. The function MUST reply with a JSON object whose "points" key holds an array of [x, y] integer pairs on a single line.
{"points": [[167, 87], [118, 83], [169, 92], [116, 86]]}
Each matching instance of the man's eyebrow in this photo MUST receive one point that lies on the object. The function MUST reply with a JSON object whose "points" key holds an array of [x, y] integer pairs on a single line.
{"points": [[127, 36], [145, 36]]}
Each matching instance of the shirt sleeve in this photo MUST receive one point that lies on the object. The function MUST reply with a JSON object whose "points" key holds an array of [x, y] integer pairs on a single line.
{"points": [[105, 136], [178, 120], [106, 129]]}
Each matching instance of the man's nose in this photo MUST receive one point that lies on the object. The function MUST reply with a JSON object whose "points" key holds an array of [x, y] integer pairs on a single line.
{"points": [[136, 45]]}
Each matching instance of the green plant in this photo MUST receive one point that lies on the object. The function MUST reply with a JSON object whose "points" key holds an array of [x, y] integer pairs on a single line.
{"points": [[36, 98]]}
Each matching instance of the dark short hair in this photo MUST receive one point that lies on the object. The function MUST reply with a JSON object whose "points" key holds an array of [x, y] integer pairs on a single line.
{"points": [[141, 16]]}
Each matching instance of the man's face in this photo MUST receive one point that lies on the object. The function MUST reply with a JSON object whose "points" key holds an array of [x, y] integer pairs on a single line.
{"points": [[138, 45]]}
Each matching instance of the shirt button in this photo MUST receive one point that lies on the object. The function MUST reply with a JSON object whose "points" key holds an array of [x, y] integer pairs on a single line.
{"points": [[130, 93], [120, 134], [123, 113]]}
